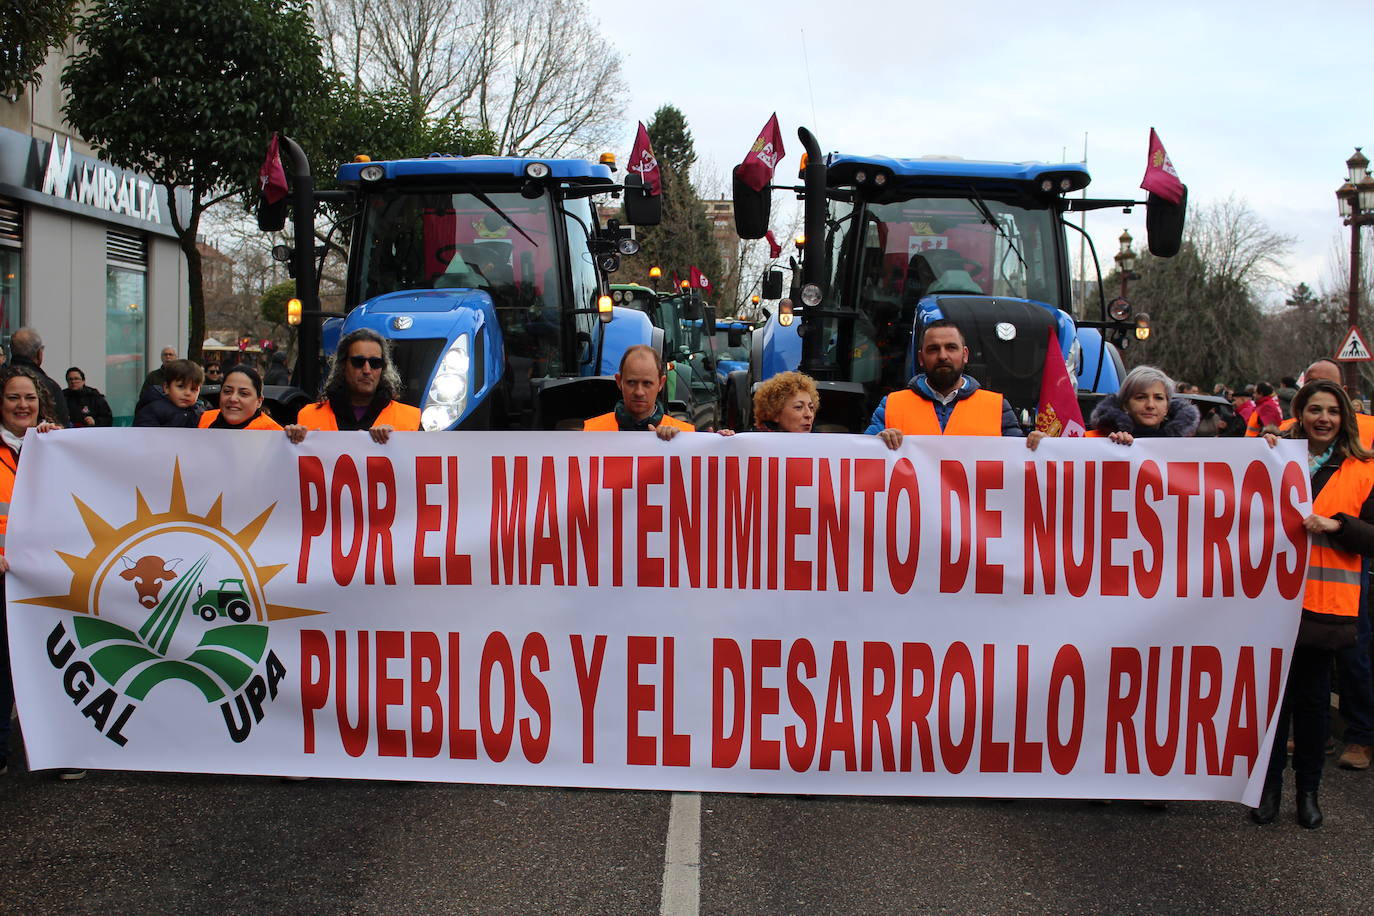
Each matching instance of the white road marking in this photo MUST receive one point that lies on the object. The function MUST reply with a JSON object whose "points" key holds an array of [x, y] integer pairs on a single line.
{"points": [[682, 857]]}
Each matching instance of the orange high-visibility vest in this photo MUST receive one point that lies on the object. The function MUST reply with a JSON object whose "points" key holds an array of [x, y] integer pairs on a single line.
{"points": [[979, 414], [261, 421], [9, 466], [396, 415], [1333, 574], [606, 423]]}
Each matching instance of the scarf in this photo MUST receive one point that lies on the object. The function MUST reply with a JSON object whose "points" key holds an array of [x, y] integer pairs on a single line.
{"points": [[14, 442], [627, 423], [1315, 462], [221, 423], [342, 405]]}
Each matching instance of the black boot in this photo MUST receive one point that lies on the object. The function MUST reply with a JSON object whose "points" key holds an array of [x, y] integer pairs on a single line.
{"points": [[1269, 802], [1309, 812]]}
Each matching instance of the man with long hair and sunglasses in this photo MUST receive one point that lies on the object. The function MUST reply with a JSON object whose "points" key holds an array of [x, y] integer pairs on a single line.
{"points": [[360, 393]]}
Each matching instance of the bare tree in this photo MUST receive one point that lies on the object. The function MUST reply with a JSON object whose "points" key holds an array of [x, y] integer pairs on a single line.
{"points": [[537, 73], [1205, 302]]}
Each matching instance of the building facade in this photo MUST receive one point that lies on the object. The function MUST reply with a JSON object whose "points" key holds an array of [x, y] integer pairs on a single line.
{"points": [[88, 255]]}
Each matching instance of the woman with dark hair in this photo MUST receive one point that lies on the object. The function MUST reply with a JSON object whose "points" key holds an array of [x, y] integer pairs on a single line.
{"points": [[85, 405], [1144, 407], [240, 403], [1341, 528], [25, 403]]}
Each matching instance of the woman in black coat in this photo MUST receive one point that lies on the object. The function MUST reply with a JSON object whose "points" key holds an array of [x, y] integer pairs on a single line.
{"points": [[85, 405], [1144, 407]]}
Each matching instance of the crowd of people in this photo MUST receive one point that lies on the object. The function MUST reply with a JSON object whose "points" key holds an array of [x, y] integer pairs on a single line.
{"points": [[362, 390]]}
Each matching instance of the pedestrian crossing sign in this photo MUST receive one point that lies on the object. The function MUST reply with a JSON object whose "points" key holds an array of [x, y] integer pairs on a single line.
{"points": [[1354, 349]]}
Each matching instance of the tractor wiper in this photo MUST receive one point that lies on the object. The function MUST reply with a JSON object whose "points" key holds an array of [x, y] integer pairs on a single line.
{"points": [[987, 215], [491, 204]]}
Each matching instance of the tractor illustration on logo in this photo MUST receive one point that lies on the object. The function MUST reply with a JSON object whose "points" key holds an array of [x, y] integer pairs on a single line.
{"points": [[229, 600]]}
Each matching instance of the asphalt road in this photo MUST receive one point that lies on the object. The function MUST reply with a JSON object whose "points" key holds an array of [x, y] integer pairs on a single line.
{"points": [[170, 843]]}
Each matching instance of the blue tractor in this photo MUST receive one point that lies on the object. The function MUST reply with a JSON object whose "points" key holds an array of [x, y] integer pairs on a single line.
{"points": [[489, 277], [892, 244]]}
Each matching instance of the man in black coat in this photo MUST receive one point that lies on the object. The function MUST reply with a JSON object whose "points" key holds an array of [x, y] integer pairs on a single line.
{"points": [[26, 349]]}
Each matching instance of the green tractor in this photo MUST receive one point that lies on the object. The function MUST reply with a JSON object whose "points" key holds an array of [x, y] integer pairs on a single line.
{"points": [[229, 600]]}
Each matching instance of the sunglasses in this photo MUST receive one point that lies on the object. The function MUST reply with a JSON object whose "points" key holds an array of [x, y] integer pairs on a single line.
{"points": [[357, 362]]}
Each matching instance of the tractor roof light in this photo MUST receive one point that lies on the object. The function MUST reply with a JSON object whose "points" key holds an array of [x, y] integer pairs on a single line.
{"points": [[372, 172], [608, 160], [362, 157], [605, 308], [628, 246], [800, 240], [811, 295], [655, 273], [293, 311], [801, 169], [537, 170], [1119, 309], [685, 284]]}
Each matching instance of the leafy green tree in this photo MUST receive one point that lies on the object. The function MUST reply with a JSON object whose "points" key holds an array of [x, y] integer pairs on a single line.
{"points": [[683, 239], [187, 92], [32, 29]]}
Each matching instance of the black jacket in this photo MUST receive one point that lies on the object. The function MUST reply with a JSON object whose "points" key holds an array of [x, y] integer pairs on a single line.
{"points": [[59, 403], [87, 402], [1179, 423], [156, 409]]}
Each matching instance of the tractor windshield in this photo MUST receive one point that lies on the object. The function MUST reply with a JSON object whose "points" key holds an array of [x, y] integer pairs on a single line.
{"points": [[500, 242], [884, 258]]}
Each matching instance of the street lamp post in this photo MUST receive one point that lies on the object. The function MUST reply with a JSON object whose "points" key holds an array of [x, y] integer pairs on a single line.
{"points": [[1355, 200], [1125, 260]]}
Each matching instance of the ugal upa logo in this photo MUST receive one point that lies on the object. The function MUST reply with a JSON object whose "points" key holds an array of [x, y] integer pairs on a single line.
{"points": [[168, 596]]}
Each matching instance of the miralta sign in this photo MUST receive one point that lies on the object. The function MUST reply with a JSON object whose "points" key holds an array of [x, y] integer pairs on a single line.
{"points": [[99, 186]]}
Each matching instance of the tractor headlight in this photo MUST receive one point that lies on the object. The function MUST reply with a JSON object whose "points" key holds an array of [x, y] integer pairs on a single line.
{"points": [[448, 393], [811, 295]]}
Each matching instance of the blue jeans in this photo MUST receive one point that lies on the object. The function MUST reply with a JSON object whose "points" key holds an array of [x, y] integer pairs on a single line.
{"points": [[1307, 704], [1355, 679]]}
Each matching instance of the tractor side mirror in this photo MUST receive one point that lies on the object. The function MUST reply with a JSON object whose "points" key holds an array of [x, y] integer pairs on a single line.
{"points": [[752, 208], [642, 208], [772, 284], [708, 319], [1164, 225]]}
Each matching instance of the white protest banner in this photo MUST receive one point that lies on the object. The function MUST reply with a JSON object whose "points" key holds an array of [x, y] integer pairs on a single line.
{"points": [[774, 613]]}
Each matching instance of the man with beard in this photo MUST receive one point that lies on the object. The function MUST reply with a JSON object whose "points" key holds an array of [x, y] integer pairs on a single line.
{"points": [[360, 393], [942, 400]]}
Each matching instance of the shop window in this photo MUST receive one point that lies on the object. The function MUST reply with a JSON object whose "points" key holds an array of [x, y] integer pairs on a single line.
{"points": [[11, 269], [126, 309]]}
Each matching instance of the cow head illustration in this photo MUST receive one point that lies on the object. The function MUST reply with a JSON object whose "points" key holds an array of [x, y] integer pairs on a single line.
{"points": [[147, 574]]}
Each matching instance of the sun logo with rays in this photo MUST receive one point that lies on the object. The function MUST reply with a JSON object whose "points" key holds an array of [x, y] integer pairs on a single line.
{"points": [[171, 595]]}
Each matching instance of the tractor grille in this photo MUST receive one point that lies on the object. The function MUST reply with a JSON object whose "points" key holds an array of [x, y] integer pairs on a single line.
{"points": [[1012, 368], [415, 361]]}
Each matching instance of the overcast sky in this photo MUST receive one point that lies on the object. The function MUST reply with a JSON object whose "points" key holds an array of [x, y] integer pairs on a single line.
{"points": [[1262, 100]]}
